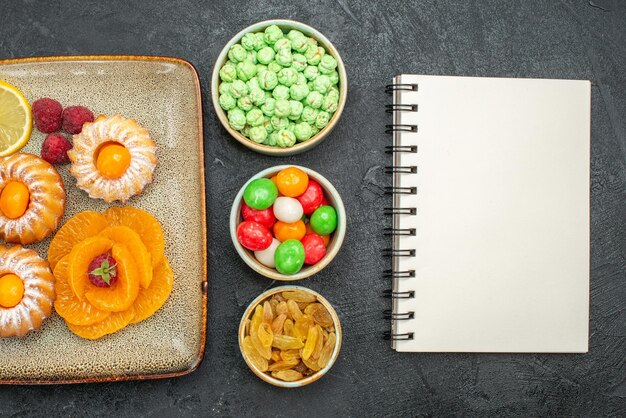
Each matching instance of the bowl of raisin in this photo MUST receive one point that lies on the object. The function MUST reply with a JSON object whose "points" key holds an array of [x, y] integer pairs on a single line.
{"points": [[290, 336]]}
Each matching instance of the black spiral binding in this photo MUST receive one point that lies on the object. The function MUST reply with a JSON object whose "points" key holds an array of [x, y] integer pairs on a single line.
{"points": [[396, 211]]}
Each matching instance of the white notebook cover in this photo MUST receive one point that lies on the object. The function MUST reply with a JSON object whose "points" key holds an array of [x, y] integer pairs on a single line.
{"points": [[502, 223]]}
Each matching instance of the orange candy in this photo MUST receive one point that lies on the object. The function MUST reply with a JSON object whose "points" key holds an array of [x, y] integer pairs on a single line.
{"points": [[14, 199], [11, 290], [284, 231], [326, 238], [113, 160], [292, 181]]}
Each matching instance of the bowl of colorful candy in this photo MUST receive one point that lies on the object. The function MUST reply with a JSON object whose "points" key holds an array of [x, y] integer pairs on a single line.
{"points": [[287, 222], [290, 336], [279, 87]]}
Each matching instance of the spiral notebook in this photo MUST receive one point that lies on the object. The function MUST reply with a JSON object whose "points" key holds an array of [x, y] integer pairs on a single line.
{"points": [[490, 212]]}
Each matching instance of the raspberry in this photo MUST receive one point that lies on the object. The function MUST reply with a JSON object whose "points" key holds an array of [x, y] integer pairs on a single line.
{"points": [[103, 271], [54, 149], [74, 117], [47, 114]]}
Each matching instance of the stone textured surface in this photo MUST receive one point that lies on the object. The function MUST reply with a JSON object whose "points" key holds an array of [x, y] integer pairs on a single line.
{"points": [[566, 39]]}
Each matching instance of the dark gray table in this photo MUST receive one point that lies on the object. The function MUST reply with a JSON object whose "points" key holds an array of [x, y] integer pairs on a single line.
{"points": [[567, 39]]}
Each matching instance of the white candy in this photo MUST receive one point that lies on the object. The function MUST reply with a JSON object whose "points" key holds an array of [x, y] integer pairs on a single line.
{"points": [[266, 256], [288, 209]]}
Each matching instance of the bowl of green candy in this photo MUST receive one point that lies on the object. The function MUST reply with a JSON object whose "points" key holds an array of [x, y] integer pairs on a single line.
{"points": [[279, 87]]}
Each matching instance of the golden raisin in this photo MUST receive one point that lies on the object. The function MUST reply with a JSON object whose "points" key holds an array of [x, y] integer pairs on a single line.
{"points": [[281, 308], [320, 314], [257, 318], [302, 326], [253, 356], [278, 323], [327, 351], [299, 296], [276, 355], [288, 355], [288, 328], [319, 344], [268, 313], [287, 375], [311, 364], [311, 342], [283, 365], [285, 342], [294, 310]]}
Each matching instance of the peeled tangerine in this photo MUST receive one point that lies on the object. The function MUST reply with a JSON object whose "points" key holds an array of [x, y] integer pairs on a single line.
{"points": [[133, 283]]}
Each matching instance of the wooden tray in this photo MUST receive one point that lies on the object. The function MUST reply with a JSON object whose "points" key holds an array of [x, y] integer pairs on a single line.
{"points": [[163, 94]]}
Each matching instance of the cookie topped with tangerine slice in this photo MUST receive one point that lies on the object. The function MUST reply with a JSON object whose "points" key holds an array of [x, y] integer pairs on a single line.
{"points": [[113, 158]]}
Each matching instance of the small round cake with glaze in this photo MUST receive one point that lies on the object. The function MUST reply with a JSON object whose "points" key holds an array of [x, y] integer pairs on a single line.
{"points": [[26, 291], [113, 158], [32, 198]]}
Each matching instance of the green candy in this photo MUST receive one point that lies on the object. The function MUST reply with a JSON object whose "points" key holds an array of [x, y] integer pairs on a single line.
{"points": [[237, 53], [327, 64], [334, 92], [227, 102], [254, 117], [253, 84], [249, 41], [268, 80], [272, 34], [321, 84], [296, 109], [246, 131], [267, 124], [298, 91], [224, 88], [314, 55], [287, 76], [260, 68], [314, 99], [279, 123], [301, 80], [269, 106], [236, 119], [244, 103], [322, 120], [311, 72], [258, 134], [228, 72], [282, 108], [274, 67], [299, 62], [285, 139], [271, 139], [282, 43], [260, 41], [291, 128], [289, 257], [309, 114], [302, 131], [293, 33], [284, 57], [281, 92], [257, 97], [334, 78], [312, 42], [324, 220], [251, 57], [300, 44], [330, 103], [246, 70], [314, 130], [260, 193], [265, 55], [238, 89]]}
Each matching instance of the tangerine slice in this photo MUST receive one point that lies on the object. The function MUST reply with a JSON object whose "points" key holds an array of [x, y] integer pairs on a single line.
{"points": [[144, 224], [81, 256], [131, 240], [113, 323], [67, 304], [121, 295], [151, 299], [81, 226]]}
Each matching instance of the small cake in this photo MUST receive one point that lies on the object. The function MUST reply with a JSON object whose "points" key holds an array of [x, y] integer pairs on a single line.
{"points": [[32, 198], [113, 158], [26, 291]]}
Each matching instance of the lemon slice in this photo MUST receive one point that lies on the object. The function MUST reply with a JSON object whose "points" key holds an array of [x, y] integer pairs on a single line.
{"points": [[16, 121]]}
